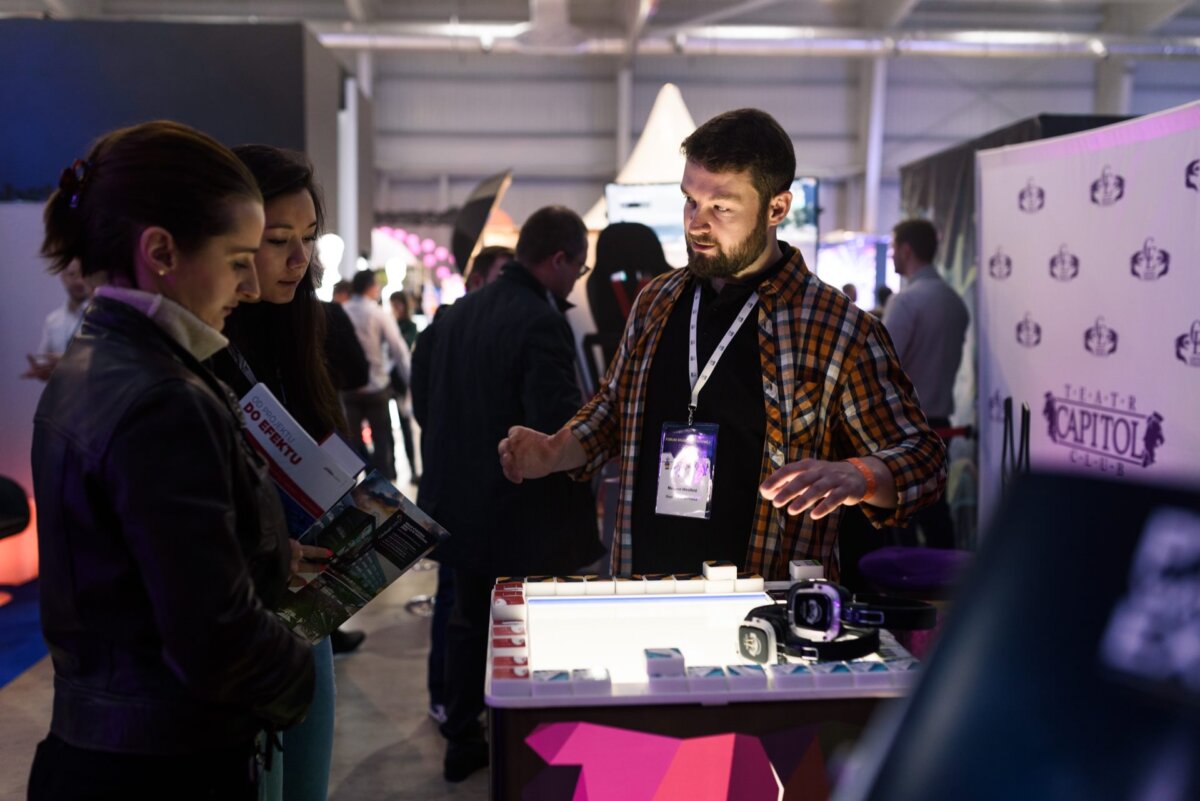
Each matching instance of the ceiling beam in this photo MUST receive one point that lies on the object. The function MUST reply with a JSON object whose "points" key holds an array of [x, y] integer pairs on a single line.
{"points": [[1141, 18], [636, 14], [736, 10], [887, 13], [361, 10], [72, 9]]}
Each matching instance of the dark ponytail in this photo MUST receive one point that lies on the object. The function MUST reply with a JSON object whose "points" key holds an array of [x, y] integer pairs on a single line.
{"points": [[158, 173]]}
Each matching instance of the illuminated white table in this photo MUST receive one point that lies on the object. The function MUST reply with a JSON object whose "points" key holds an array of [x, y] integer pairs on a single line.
{"points": [[535, 670]]}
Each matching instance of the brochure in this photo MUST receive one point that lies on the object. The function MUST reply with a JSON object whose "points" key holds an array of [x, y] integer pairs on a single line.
{"points": [[310, 477], [376, 535]]}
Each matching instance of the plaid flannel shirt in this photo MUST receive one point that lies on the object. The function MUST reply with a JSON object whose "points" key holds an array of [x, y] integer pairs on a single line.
{"points": [[833, 388]]}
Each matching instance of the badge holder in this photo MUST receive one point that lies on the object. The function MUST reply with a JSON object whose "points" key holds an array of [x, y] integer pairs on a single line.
{"points": [[686, 469]]}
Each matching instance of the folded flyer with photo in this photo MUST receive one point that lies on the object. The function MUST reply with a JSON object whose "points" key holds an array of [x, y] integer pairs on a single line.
{"points": [[376, 534]]}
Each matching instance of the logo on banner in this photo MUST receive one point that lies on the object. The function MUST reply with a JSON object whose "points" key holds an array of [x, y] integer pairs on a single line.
{"points": [[1000, 265], [1100, 340], [1187, 346], [1151, 262], [1108, 188], [1029, 333], [1191, 176], [1103, 430], [1064, 265], [995, 407], [1031, 198]]}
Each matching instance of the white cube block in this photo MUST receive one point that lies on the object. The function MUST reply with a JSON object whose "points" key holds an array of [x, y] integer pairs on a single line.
{"points": [[791, 675], [591, 681], [871, 674], [689, 583], [629, 586], [659, 583], [833, 674], [904, 672], [805, 569], [720, 585], [570, 585], [511, 681], [749, 582], [510, 661], [706, 678], [664, 662], [598, 586], [746, 677], [510, 584], [539, 586], [552, 682], [667, 684], [720, 571], [508, 607], [510, 646]]}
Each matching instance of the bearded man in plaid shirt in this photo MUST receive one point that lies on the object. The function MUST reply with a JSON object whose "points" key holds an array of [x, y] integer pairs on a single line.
{"points": [[780, 399]]}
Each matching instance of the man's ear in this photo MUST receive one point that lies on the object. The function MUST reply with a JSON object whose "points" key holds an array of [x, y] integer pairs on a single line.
{"points": [[156, 250], [778, 208]]}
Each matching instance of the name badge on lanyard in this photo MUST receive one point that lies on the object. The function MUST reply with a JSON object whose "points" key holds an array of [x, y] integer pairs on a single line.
{"points": [[687, 453]]}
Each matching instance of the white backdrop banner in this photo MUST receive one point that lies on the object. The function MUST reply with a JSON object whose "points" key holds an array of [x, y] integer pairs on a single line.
{"points": [[1089, 301]]}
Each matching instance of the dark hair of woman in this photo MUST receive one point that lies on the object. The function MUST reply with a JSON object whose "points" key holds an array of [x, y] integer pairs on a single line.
{"points": [[284, 344], [155, 174]]}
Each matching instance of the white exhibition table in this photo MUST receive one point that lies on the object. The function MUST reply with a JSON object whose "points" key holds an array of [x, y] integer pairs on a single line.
{"points": [[569, 660]]}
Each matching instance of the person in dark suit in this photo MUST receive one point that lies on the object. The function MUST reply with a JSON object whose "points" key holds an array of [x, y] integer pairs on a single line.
{"points": [[501, 356]]}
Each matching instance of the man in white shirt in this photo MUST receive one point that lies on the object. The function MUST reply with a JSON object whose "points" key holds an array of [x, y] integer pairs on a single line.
{"points": [[60, 325], [375, 328], [927, 321]]}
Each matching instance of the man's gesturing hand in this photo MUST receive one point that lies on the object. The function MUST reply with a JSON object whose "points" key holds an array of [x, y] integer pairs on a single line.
{"points": [[816, 484]]}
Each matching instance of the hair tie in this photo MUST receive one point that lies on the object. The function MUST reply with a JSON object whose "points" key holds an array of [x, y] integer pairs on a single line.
{"points": [[74, 179]]}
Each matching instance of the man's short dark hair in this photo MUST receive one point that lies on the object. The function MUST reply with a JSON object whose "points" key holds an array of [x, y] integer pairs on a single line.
{"points": [[362, 281], [745, 139], [549, 230], [489, 259], [343, 286], [920, 235]]}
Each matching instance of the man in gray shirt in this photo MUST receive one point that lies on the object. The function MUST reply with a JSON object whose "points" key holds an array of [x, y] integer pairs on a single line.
{"points": [[927, 321]]}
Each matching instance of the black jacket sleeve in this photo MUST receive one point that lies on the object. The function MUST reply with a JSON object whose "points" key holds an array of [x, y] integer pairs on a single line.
{"points": [[177, 518]]}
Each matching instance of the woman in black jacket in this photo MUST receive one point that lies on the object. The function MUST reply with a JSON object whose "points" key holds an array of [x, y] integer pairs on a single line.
{"points": [[281, 343], [161, 538]]}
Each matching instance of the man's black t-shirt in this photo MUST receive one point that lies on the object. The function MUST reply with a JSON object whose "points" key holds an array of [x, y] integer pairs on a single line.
{"points": [[733, 399]]}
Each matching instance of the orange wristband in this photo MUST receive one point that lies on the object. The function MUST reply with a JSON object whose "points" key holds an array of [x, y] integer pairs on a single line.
{"points": [[866, 474]]}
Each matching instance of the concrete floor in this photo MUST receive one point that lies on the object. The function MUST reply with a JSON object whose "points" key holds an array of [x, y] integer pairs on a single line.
{"points": [[385, 745]]}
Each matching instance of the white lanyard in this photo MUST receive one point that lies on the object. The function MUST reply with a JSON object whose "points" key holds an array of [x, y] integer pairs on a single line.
{"points": [[699, 380]]}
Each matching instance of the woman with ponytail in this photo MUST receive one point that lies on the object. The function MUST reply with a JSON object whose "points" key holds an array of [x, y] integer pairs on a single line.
{"points": [[161, 537]]}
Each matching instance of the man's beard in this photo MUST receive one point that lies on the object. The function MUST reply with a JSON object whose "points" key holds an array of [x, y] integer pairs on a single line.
{"points": [[726, 265]]}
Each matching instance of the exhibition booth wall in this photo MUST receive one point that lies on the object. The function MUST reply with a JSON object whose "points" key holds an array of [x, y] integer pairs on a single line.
{"points": [[1087, 305], [69, 82]]}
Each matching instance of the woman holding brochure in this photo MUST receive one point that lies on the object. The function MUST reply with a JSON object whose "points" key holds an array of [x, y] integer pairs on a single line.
{"points": [[161, 537], [280, 343]]}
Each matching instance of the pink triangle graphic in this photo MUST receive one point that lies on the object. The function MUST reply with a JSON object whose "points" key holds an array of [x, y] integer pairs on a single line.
{"points": [[616, 764], [548, 738], [700, 770]]}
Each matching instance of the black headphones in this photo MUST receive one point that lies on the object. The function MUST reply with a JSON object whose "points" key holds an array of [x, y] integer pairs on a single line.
{"points": [[817, 610], [765, 635]]}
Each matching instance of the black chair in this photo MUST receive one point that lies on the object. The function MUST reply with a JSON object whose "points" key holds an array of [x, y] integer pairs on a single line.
{"points": [[14, 508]]}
